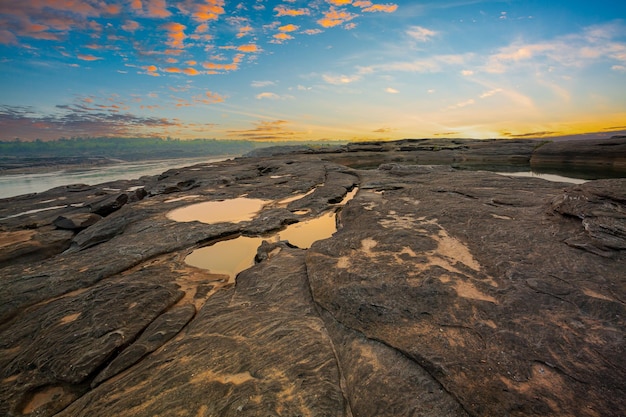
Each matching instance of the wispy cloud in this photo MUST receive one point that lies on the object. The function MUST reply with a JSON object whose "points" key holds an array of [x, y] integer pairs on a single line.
{"points": [[462, 104], [267, 130], [335, 17], [155, 8], [592, 45], [260, 84], [340, 79], [420, 34], [267, 95], [88, 57], [286, 11]]}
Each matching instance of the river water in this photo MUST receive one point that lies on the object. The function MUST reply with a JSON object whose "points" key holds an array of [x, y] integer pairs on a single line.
{"points": [[18, 184]]}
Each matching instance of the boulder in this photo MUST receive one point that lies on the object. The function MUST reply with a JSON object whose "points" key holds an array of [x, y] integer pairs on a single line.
{"points": [[76, 221]]}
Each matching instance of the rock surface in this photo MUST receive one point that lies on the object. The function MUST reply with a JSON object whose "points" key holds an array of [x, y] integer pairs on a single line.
{"points": [[443, 293]]}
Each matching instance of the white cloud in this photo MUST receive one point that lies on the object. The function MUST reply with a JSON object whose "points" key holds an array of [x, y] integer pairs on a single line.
{"points": [[490, 93], [340, 79], [271, 96], [435, 63], [420, 34], [462, 104], [620, 68], [391, 90], [467, 73], [259, 84], [594, 44]]}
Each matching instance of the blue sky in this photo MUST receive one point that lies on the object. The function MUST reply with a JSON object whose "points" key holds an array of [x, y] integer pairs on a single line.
{"points": [[311, 70]]}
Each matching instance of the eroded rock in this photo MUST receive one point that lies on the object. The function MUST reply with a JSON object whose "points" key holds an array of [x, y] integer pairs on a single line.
{"points": [[77, 221], [443, 292]]}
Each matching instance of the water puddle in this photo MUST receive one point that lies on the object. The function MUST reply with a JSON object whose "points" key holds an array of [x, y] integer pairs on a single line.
{"points": [[32, 212], [233, 211], [229, 257], [547, 177]]}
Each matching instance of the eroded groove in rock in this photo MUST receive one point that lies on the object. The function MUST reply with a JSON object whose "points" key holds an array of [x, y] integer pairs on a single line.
{"points": [[62, 343], [371, 367], [255, 349], [469, 301]]}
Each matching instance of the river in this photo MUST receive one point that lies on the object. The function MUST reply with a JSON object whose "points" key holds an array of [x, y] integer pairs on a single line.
{"points": [[18, 184]]}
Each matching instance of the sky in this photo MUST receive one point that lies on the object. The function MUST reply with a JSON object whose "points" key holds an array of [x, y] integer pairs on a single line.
{"points": [[311, 69]]}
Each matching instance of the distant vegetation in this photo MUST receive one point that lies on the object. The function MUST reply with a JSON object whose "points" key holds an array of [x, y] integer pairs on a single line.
{"points": [[128, 149]]}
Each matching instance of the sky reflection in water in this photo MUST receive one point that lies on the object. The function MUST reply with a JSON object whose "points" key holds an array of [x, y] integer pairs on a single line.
{"points": [[229, 257]]}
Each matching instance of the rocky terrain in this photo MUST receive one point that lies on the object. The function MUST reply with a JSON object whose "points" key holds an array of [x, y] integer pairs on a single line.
{"points": [[444, 292]]}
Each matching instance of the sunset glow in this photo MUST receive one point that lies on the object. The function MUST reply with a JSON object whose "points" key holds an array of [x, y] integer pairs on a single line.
{"points": [[311, 70]]}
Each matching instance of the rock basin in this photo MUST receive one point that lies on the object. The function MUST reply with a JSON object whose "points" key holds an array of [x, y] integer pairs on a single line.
{"points": [[231, 256]]}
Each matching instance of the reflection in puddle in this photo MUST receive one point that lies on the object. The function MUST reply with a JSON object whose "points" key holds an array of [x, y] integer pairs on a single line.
{"points": [[229, 257], [303, 234], [547, 177], [211, 212]]}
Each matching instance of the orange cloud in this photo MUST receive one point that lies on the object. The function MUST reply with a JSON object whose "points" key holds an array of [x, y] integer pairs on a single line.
{"points": [[233, 66], [130, 26], [243, 31], [288, 28], [283, 36], [176, 35], [136, 4], [191, 71], [209, 11], [7, 38], [284, 11], [266, 130], [339, 2], [202, 28], [171, 60], [209, 98], [248, 48], [157, 8], [191, 62], [335, 17], [174, 52], [88, 57], [113, 8], [386, 8]]}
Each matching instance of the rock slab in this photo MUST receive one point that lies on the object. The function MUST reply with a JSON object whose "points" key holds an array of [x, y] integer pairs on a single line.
{"points": [[443, 293]]}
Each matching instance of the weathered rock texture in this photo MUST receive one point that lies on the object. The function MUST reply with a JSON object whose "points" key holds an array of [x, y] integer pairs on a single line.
{"points": [[443, 293]]}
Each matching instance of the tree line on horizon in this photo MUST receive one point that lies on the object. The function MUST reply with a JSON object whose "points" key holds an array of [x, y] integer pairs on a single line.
{"points": [[129, 148]]}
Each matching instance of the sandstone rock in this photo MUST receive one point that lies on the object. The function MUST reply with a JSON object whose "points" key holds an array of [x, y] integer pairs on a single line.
{"points": [[108, 205], [77, 221], [594, 155], [22, 246], [153, 337], [443, 292]]}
